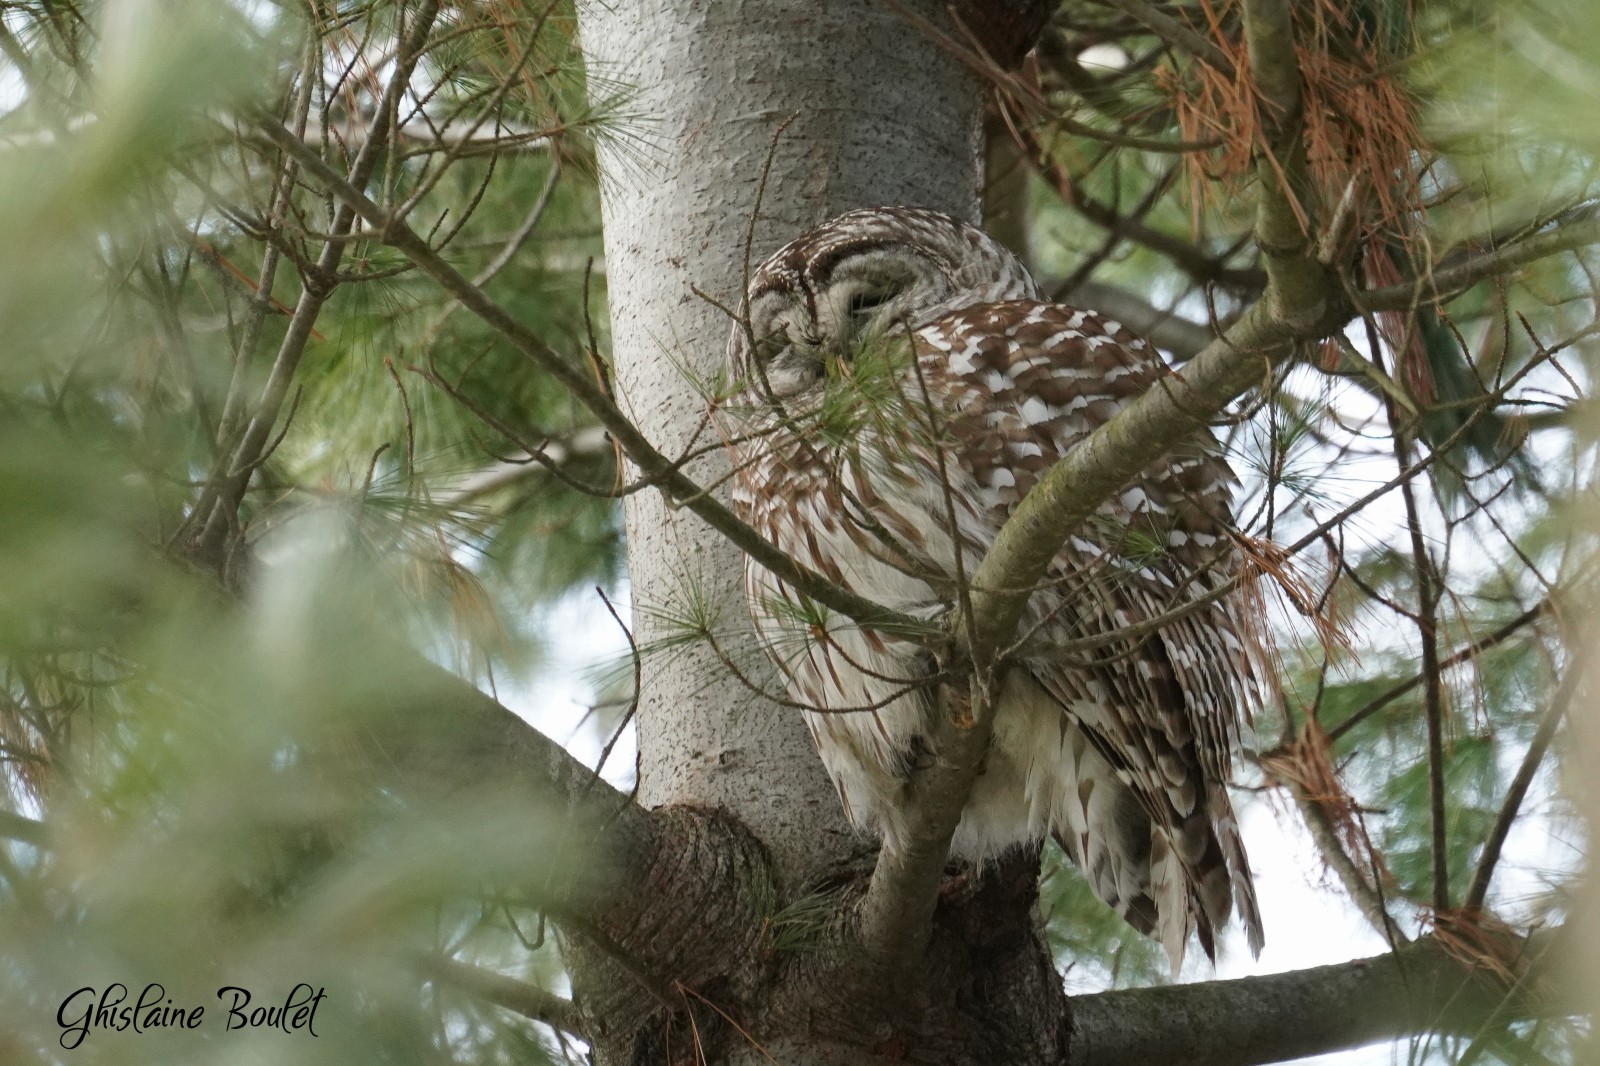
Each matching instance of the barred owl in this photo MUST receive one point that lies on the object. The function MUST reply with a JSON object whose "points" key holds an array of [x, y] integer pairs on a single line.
{"points": [[899, 387]]}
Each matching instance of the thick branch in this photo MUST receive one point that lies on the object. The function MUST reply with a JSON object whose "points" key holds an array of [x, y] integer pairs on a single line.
{"points": [[897, 912], [1304, 1012], [669, 892], [445, 737], [1301, 302], [1179, 407], [1283, 209]]}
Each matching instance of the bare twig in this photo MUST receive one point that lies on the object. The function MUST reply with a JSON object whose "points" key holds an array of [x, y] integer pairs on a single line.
{"points": [[1174, 33], [507, 252], [1427, 621], [264, 302], [1478, 888], [218, 508], [1443, 284], [1365, 893], [584, 444], [1499, 636]]}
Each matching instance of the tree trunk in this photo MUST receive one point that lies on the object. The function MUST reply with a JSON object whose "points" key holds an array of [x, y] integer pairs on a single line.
{"points": [[877, 113], [881, 114]]}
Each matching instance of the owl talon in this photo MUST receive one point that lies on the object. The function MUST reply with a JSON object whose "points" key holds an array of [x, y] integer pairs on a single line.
{"points": [[957, 885]]}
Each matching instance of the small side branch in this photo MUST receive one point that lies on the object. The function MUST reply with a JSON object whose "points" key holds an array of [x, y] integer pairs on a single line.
{"points": [[1478, 890], [21, 829], [1527, 618], [1176, 33], [1445, 283], [1362, 891], [530, 1001], [1302, 301], [584, 444]]}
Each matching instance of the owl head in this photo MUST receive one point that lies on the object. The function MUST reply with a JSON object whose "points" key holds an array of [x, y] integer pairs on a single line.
{"points": [[860, 275]]}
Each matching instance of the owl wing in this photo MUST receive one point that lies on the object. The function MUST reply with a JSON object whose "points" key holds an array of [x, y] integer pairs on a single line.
{"points": [[1027, 381]]}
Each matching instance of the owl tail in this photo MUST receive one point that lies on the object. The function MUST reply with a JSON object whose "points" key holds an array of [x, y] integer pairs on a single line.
{"points": [[1244, 887], [1199, 875]]}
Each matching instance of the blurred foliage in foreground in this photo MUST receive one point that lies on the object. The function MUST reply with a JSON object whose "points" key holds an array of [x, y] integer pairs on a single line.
{"points": [[196, 612]]}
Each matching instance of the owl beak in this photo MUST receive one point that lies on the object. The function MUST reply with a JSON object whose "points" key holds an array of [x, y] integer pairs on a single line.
{"points": [[796, 368]]}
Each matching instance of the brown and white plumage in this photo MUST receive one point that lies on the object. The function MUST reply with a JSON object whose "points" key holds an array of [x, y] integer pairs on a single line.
{"points": [[1121, 748]]}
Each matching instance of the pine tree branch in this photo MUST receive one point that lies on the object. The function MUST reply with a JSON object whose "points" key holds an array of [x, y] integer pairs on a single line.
{"points": [[528, 1000], [1283, 1016], [657, 468], [1363, 892], [1472, 649], [584, 444], [1444, 283], [1297, 283], [446, 736], [897, 911], [1302, 300], [1429, 583], [1179, 407], [217, 510], [670, 894], [1192, 259]]}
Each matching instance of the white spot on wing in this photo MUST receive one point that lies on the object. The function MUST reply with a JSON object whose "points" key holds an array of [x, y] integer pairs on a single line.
{"points": [[998, 382], [1035, 411]]}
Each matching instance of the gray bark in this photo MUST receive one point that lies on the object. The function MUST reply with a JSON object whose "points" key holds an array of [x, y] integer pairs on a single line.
{"points": [[882, 115], [878, 113]]}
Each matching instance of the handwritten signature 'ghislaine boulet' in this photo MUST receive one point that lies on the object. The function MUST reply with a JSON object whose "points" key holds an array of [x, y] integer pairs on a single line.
{"points": [[83, 1011]]}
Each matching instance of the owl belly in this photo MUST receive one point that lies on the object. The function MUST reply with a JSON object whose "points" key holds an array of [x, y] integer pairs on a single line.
{"points": [[874, 708]]}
